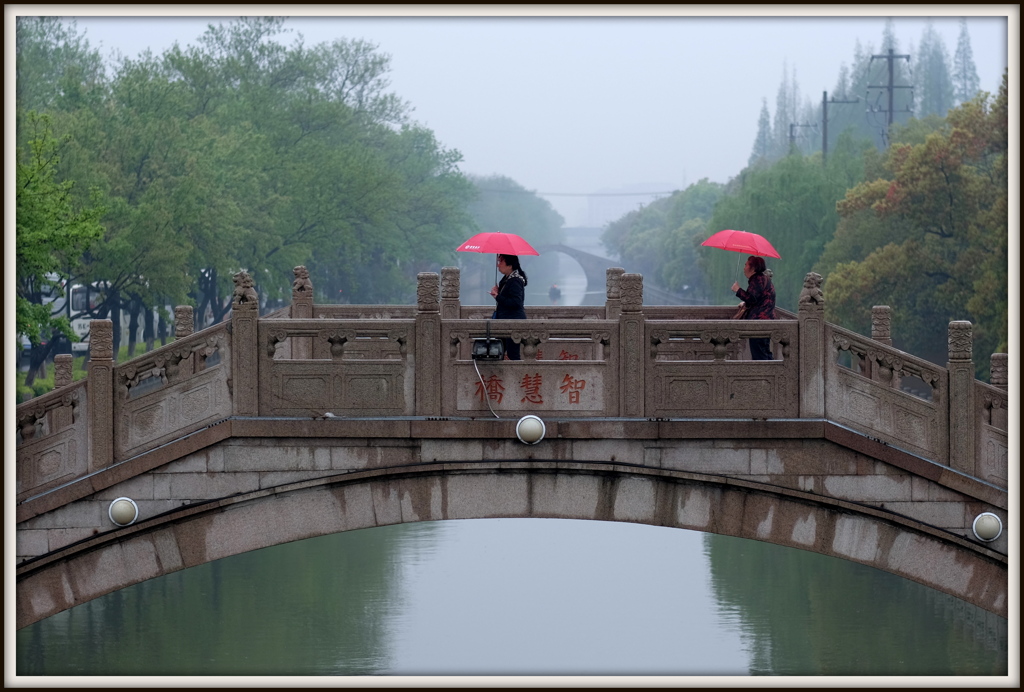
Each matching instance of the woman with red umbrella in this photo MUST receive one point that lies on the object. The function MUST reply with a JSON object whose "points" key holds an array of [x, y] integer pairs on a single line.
{"points": [[759, 300], [510, 295]]}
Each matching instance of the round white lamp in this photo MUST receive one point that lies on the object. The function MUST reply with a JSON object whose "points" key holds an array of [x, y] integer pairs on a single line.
{"points": [[987, 527], [123, 511], [530, 430]]}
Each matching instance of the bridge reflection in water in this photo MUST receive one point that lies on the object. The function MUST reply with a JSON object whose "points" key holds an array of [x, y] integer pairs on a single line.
{"points": [[521, 597], [324, 418]]}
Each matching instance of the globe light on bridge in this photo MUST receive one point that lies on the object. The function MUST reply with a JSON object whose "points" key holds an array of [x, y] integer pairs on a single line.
{"points": [[123, 511], [530, 430], [987, 527]]}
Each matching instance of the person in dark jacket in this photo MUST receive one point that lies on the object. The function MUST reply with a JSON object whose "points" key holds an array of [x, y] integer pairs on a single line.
{"points": [[510, 294], [759, 298]]}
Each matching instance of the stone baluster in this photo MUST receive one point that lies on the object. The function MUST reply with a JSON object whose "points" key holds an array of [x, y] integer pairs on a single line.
{"points": [[999, 371], [962, 412], [100, 394], [301, 309], [813, 350], [62, 370], [881, 322], [428, 341], [244, 347], [613, 288], [184, 321], [451, 285], [632, 351]]}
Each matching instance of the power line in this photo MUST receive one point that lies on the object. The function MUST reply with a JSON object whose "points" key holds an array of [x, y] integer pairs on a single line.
{"points": [[580, 194]]}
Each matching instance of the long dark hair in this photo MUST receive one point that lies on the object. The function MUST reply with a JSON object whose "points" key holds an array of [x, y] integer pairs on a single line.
{"points": [[513, 261]]}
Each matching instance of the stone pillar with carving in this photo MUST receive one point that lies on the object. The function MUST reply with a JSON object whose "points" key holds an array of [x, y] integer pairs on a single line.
{"points": [[428, 343], [62, 368], [184, 321], [962, 414], [813, 349], [881, 324], [100, 394], [451, 285], [613, 288], [632, 351], [245, 312], [999, 371], [302, 309]]}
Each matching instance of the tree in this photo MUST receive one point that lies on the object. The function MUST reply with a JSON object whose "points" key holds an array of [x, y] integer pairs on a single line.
{"points": [[936, 230], [966, 84], [763, 144], [933, 85], [51, 231]]}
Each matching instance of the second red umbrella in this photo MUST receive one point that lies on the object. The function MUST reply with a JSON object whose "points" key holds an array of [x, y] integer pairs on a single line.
{"points": [[497, 243], [742, 241]]}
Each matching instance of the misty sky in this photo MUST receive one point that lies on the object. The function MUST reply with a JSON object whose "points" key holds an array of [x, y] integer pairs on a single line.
{"points": [[571, 106]]}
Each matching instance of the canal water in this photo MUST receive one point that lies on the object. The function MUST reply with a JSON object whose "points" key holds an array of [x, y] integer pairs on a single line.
{"points": [[520, 597]]}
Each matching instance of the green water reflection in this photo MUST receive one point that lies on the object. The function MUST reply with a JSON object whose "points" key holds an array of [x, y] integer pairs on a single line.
{"points": [[808, 614], [345, 605]]}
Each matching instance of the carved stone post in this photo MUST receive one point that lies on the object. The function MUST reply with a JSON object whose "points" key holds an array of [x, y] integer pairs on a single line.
{"points": [[184, 321], [999, 371], [101, 394], [427, 358], [613, 288], [813, 351], [881, 323], [244, 347], [632, 352], [961, 398], [62, 366], [451, 285], [302, 309]]}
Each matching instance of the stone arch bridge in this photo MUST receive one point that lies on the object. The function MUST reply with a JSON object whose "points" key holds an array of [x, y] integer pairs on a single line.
{"points": [[325, 418]]}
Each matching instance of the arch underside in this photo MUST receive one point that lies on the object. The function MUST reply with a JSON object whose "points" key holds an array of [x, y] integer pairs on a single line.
{"points": [[198, 534]]}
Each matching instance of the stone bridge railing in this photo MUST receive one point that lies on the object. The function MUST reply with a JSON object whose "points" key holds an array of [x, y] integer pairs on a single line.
{"points": [[623, 360]]}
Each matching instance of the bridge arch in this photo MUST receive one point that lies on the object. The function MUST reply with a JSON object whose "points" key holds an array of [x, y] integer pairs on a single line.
{"points": [[203, 532]]}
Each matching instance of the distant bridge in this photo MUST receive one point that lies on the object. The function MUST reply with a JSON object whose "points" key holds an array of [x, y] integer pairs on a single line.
{"points": [[325, 418]]}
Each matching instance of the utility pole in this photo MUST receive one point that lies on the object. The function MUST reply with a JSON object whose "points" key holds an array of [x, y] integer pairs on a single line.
{"points": [[890, 86], [824, 122]]}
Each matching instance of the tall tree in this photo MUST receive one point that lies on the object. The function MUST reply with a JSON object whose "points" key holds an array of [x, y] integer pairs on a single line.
{"points": [[763, 143], [966, 84], [51, 231], [933, 85]]}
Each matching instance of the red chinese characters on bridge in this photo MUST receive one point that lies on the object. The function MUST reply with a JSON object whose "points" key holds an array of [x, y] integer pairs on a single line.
{"points": [[572, 387], [493, 388], [530, 384], [530, 387]]}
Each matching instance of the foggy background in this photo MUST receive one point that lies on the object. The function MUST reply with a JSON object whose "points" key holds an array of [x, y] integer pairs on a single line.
{"points": [[588, 111]]}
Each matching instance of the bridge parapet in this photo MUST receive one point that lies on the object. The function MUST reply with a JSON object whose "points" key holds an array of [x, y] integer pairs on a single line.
{"points": [[863, 392], [171, 391], [625, 360]]}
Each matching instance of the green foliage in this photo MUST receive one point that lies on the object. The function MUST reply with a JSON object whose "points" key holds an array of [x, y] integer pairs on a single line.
{"points": [[51, 229], [661, 241], [930, 239], [792, 204], [241, 152]]}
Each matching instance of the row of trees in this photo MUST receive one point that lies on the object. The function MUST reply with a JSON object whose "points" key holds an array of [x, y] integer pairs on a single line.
{"points": [[237, 153], [930, 83], [921, 227]]}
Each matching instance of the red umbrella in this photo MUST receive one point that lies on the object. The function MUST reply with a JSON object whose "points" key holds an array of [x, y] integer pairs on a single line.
{"points": [[742, 241], [498, 243]]}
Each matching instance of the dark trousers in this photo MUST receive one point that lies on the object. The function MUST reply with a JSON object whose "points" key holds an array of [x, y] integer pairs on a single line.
{"points": [[761, 349], [511, 349]]}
